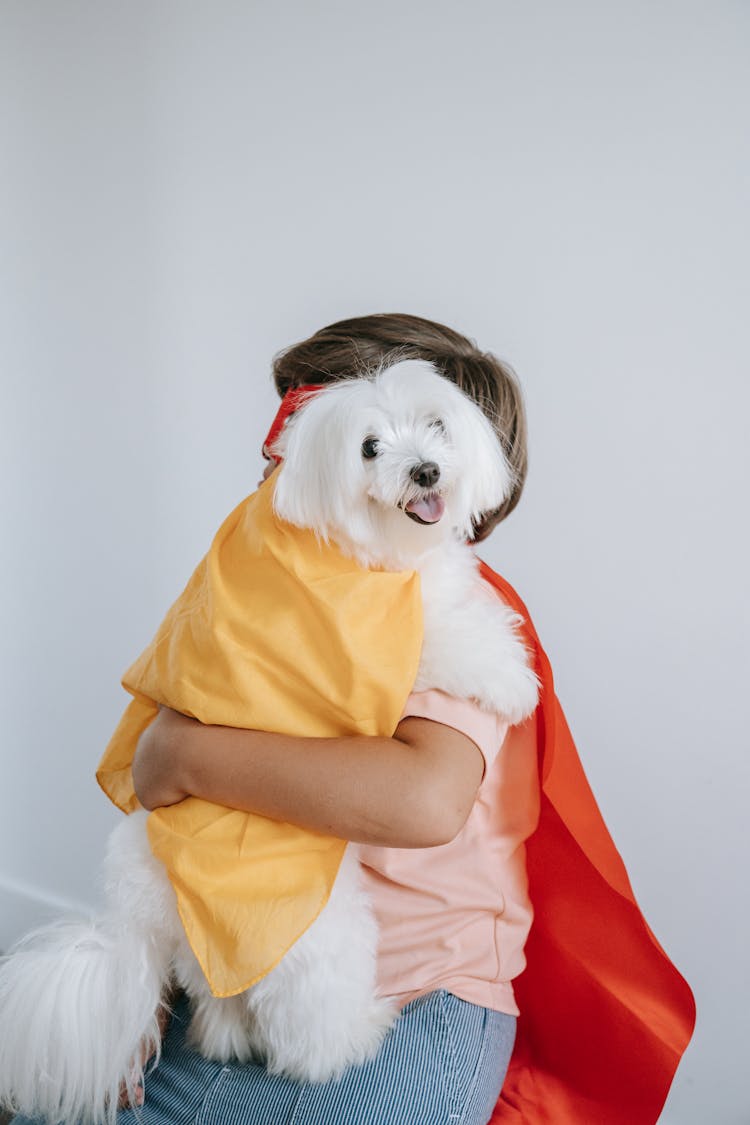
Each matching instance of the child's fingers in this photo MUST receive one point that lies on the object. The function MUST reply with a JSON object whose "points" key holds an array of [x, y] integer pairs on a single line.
{"points": [[124, 1102], [146, 1054]]}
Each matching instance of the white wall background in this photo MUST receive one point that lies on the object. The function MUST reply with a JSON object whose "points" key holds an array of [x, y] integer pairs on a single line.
{"points": [[189, 187]]}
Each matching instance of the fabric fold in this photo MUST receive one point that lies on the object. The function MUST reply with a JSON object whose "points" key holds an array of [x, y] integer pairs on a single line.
{"points": [[275, 631], [605, 1016]]}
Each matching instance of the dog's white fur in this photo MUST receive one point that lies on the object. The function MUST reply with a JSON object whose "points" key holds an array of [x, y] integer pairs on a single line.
{"points": [[78, 999]]}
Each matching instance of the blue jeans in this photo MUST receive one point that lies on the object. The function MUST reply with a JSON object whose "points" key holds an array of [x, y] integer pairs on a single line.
{"points": [[443, 1061]]}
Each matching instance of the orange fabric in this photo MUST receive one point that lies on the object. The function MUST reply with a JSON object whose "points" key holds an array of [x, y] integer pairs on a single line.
{"points": [[605, 1016], [291, 402], [274, 631]]}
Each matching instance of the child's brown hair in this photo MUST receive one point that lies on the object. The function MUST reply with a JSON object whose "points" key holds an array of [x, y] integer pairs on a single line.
{"points": [[365, 343]]}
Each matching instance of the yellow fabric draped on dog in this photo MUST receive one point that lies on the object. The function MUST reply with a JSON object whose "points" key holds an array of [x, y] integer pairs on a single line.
{"points": [[274, 631]]}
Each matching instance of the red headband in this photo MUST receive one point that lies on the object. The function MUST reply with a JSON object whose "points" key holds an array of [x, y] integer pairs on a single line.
{"points": [[292, 400]]}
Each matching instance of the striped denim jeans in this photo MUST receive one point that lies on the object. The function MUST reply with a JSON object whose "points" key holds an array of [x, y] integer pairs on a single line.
{"points": [[442, 1063]]}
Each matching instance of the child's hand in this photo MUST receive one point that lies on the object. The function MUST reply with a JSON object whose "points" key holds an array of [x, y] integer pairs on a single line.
{"points": [[156, 764], [124, 1102]]}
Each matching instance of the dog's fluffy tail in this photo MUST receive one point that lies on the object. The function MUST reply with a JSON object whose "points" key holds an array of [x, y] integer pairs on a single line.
{"points": [[78, 1000]]}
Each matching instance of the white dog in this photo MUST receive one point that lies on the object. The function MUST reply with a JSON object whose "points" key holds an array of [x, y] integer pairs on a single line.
{"points": [[394, 469]]}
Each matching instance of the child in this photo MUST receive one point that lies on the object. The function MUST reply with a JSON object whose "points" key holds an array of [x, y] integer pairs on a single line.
{"points": [[463, 825]]}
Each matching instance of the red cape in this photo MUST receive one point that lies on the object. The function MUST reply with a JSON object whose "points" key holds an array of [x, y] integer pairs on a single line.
{"points": [[605, 1016]]}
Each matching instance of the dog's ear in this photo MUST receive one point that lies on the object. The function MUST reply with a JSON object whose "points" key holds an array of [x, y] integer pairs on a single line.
{"points": [[317, 481], [486, 478]]}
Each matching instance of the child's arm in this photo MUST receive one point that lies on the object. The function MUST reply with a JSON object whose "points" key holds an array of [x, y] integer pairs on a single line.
{"points": [[414, 790]]}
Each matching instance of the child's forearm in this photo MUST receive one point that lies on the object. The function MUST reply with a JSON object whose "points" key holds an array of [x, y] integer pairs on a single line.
{"points": [[413, 790]]}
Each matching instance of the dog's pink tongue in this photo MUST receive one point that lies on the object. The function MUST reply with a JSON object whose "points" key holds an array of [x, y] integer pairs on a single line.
{"points": [[428, 508]]}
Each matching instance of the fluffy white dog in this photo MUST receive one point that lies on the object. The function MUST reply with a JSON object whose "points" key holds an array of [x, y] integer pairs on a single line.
{"points": [[394, 469]]}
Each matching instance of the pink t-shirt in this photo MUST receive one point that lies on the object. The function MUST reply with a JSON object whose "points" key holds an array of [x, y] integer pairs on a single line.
{"points": [[457, 916]]}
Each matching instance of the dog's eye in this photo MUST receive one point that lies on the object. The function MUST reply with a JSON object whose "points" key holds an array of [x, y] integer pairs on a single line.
{"points": [[370, 448], [438, 424]]}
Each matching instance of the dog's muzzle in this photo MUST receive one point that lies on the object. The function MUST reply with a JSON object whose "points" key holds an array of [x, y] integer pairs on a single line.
{"points": [[430, 506], [426, 474], [426, 509]]}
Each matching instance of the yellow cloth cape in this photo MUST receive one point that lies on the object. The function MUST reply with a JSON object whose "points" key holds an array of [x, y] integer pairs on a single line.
{"points": [[275, 631]]}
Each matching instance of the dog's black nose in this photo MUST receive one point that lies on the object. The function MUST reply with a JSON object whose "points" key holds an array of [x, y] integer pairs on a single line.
{"points": [[426, 474]]}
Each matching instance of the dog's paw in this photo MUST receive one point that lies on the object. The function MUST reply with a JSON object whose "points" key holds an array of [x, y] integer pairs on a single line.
{"points": [[380, 1019], [219, 1030], [322, 1053], [512, 691]]}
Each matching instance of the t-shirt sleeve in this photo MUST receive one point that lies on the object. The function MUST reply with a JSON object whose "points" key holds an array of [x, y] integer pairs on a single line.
{"points": [[485, 729]]}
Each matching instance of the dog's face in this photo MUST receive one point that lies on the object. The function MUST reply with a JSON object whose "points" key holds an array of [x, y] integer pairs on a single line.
{"points": [[390, 465]]}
